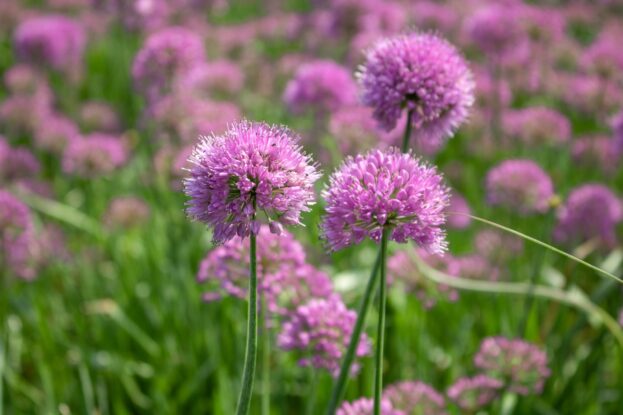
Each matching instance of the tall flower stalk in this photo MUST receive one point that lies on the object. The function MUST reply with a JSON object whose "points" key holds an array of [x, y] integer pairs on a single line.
{"points": [[380, 336], [251, 168]]}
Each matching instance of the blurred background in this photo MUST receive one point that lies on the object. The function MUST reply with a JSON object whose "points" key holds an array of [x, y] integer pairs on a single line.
{"points": [[101, 102]]}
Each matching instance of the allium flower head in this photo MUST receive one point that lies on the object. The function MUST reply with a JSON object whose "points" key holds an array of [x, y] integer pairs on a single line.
{"points": [[166, 55], [415, 398], [522, 366], [473, 394], [498, 246], [222, 77], [354, 129], [321, 330], [475, 267], [519, 185], [55, 132], [54, 41], [617, 130], [538, 126], [385, 189], [458, 212], [591, 211], [323, 86], [16, 163], [284, 278], [94, 155], [99, 116], [365, 406], [16, 235], [420, 72], [126, 212], [23, 79], [251, 170], [496, 31]]}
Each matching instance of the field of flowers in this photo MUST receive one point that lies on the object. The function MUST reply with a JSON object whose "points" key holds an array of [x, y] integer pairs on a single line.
{"points": [[347, 207]]}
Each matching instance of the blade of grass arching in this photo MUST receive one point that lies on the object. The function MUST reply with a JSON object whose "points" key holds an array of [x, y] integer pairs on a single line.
{"points": [[555, 294], [87, 389], [546, 245], [63, 213]]}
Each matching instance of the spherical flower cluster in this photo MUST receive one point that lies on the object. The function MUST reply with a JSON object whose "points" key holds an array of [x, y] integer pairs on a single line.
{"points": [[430, 15], [385, 189], [519, 185], [604, 57], [365, 406], [252, 169], [522, 366], [591, 211], [22, 114], [55, 133], [321, 330], [284, 278], [401, 267], [94, 155], [537, 126], [16, 163], [16, 235], [422, 73], [617, 129], [54, 41], [596, 152], [23, 79], [496, 31], [165, 56], [323, 86], [473, 394], [126, 212], [475, 267], [415, 398]]}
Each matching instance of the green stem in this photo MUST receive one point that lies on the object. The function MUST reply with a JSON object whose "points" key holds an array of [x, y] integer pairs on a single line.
{"points": [[340, 383], [265, 361], [380, 336], [407, 136], [545, 245], [244, 400]]}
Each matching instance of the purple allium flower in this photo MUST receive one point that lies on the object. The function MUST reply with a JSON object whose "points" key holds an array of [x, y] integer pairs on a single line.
{"points": [[22, 114], [141, 14], [401, 267], [284, 278], [522, 366], [23, 79], [322, 85], [596, 152], [16, 235], [54, 41], [519, 185], [126, 212], [16, 163], [321, 330], [604, 57], [588, 93], [423, 73], [365, 406], [591, 211], [385, 189], [538, 126], [473, 394], [252, 170], [458, 212], [354, 129], [222, 77], [94, 155], [497, 246], [496, 31], [55, 132], [165, 56], [621, 317], [99, 116], [415, 398], [430, 15], [487, 87]]}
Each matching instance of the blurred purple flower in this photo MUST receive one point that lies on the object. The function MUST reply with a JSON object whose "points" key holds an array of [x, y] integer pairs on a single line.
{"points": [[423, 73], [519, 185], [365, 406], [251, 169], [126, 212], [496, 246], [320, 329], [415, 397], [591, 211], [16, 236], [598, 152], [16, 163], [522, 366], [537, 126], [212, 79], [475, 267], [473, 394], [94, 155], [385, 189], [458, 212], [323, 86], [617, 130], [55, 132], [354, 129], [99, 116]]}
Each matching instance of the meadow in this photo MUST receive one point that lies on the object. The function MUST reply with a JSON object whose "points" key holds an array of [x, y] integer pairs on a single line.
{"points": [[115, 300]]}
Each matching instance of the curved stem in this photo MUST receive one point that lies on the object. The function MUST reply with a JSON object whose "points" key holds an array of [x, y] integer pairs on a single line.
{"points": [[543, 244], [340, 383], [380, 336], [244, 399], [407, 136]]}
